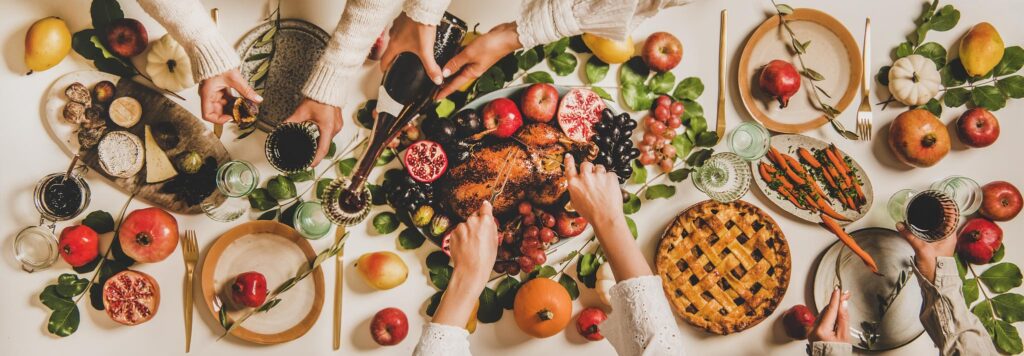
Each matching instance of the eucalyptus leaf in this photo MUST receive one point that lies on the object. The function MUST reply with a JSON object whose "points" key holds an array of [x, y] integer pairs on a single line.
{"points": [[1012, 86], [385, 222], [934, 107], [636, 97], [679, 175], [99, 221], [332, 149], [661, 83], [288, 214], [1002, 277], [493, 79], [490, 309], [692, 109], [632, 227], [386, 157], [1013, 60], [346, 166], [632, 205], [410, 239], [577, 45], [570, 286], [903, 50], [659, 191], [261, 200], [999, 254], [595, 69], [377, 197], [303, 176], [539, 77], [105, 11], [509, 67], [812, 74], [945, 19], [542, 272], [688, 89], [506, 292], [933, 51], [556, 48], [697, 158], [634, 71], [269, 215], [82, 43], [321, 186], [563, 64], [683, 146], [706, 139], [601, 93], [784, 9], [53, 299], [64, 321], [956, 97], [639, 175], [1004, 336], [988, 97], [281, 187]]}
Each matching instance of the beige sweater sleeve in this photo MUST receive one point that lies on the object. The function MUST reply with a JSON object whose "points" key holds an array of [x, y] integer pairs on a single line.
{"points": [[190, 24], [544, 21], [945, 316], [360, 25]]}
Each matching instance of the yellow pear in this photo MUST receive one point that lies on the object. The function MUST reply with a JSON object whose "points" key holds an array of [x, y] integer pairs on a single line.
{"points": [[981, 49], [382, 269], [47, 42], [609, 51]]}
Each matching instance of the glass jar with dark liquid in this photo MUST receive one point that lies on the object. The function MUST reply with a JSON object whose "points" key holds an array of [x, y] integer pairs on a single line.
{"points": [[405, 91], [57, 197], [930, 215]]}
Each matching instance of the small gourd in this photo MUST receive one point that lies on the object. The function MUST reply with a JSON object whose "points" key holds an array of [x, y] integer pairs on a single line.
{"points": [[168, 65], [914, 80]]}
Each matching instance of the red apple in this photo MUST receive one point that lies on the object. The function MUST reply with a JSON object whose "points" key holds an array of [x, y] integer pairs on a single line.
{"points": [[126, 37], [797, 321], [662, 51], [389, 327], [918, 138], [977, 127], [1001, 201], [501, 117], [979, 240], [570, 224], [540, 102]]}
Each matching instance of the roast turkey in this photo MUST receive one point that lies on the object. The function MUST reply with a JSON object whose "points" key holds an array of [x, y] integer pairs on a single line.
{"points": [[527, 167]]}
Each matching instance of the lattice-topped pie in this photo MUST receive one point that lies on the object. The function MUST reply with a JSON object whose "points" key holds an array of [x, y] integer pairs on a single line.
{"points": [[725, 266]]}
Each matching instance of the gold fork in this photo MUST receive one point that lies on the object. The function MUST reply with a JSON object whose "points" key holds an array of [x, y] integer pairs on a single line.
{"points": [[190, 251], [864, 112]]}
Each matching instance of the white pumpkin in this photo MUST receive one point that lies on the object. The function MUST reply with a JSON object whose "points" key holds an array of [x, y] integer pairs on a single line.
{"points": [[914, 80], [168, 65], [605, 282]]}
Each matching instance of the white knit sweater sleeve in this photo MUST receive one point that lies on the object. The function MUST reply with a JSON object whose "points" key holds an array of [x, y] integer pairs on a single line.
{"points": [[190, 24], [544, 21], [641, 322], [443, 340], [360, 25]]}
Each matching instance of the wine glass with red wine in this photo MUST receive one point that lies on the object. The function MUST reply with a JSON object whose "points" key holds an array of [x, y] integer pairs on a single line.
{"points": [[931, 215]]}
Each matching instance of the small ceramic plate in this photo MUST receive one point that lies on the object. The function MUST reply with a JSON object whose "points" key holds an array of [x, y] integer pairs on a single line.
{"points": [[297, 46], [63, 131], [832, 52], [276, 251], [899, 325], [788, 144]]}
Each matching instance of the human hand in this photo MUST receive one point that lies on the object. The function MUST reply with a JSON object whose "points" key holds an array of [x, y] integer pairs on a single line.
{"points": [[474, 246], [594, 193], [833, 322], [926, 252], [411, 36], [482, 53], [326, 117], [215, 91]]}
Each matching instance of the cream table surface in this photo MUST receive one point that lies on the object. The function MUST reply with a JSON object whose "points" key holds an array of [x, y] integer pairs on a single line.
{"points": [[28, 153]]}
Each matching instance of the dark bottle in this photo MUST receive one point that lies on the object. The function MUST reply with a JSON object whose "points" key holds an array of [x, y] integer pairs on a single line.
{"points": [[405, 91]]}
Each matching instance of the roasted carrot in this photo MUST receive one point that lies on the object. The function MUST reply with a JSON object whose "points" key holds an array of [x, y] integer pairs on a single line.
{"points": [[860, 194], [839, 156], [827, 209], [808, 157], [853, 205], [773, 155], [794, 177], [828, 178], [789, 195], [834, 227], [767, 177], [785, 181], [810, 203], [834, 160], [835, 176], [769, 168], [816, 188], [799, 168]]}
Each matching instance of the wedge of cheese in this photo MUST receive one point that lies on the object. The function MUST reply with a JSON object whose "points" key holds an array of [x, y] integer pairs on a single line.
{"points": [[158, 166]]}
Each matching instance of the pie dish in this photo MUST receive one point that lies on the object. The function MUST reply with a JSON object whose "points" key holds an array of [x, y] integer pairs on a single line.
{"points": [[724, 266]]}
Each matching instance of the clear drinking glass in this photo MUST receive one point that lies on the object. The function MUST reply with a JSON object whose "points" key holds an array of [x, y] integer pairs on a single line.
{"points": [[310, 220], [35, 248], [291, 147], [749, 140], [930, 215], [235, 179], [724, 177], [964, 191]]}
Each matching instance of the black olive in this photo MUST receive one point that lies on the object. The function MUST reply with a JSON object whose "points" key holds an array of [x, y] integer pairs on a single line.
{"points": [[438, 129], [467, 123]]}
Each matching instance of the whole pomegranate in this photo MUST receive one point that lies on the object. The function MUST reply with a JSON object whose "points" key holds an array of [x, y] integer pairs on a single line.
{"points": [[979, 240], [588, 323], [148, 235], [779, 79], [249, 289], [78, 245], [918, 138], [797, 321]]}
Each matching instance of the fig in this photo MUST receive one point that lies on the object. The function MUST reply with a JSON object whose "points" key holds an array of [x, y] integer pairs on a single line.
{"points": [[77, 92], [243, 111], [190, 162], [439, 224], [74, 112], [780, 80], [104, 91], [422, 216], [95, 115]]}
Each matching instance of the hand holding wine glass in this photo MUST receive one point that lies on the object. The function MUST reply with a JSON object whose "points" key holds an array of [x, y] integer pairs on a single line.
{"points": [[326, 117], [926, 252]]}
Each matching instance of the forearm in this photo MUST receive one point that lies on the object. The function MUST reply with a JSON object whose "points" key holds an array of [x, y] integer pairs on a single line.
{"points": [[459, 300], [544, 21], [620, 249], [428, 12], [360, 25], [945, 316], [190, 24]]}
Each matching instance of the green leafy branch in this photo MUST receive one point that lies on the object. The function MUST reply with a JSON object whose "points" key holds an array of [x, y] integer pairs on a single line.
{"points": [[999, 309], [273, 298], [800, 48]]}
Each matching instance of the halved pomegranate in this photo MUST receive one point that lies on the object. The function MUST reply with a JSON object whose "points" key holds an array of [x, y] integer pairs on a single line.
{"points": [[579, 110], [131, 297], [425, 161]]}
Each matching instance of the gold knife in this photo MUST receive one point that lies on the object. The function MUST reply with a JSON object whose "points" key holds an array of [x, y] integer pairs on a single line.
{"points": [[720, 127], [338, 273], [218, 129]]}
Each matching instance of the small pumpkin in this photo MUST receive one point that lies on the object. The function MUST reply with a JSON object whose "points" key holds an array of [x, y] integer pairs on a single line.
{"points": [[914, 80], [542, 308], [605, 282], [168, 65]]}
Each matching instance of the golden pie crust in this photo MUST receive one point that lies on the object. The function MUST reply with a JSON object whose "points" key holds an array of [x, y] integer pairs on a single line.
{"points": [[724, 266]]}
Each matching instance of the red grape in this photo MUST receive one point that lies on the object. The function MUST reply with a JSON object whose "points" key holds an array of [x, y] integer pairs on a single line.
{"points": [[656, 128], [525, 208], [665, 165], [664, 101], [531, 233], [548, 220], [650, 139], [669, 134], [547, 235], [674, 123], [647, 158], [649, 120], [661, 113], [526, 263], [513, 268], [537, 255], [500, 267], [669, 151], [528, 244], [677, 109], [529, 219]]}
